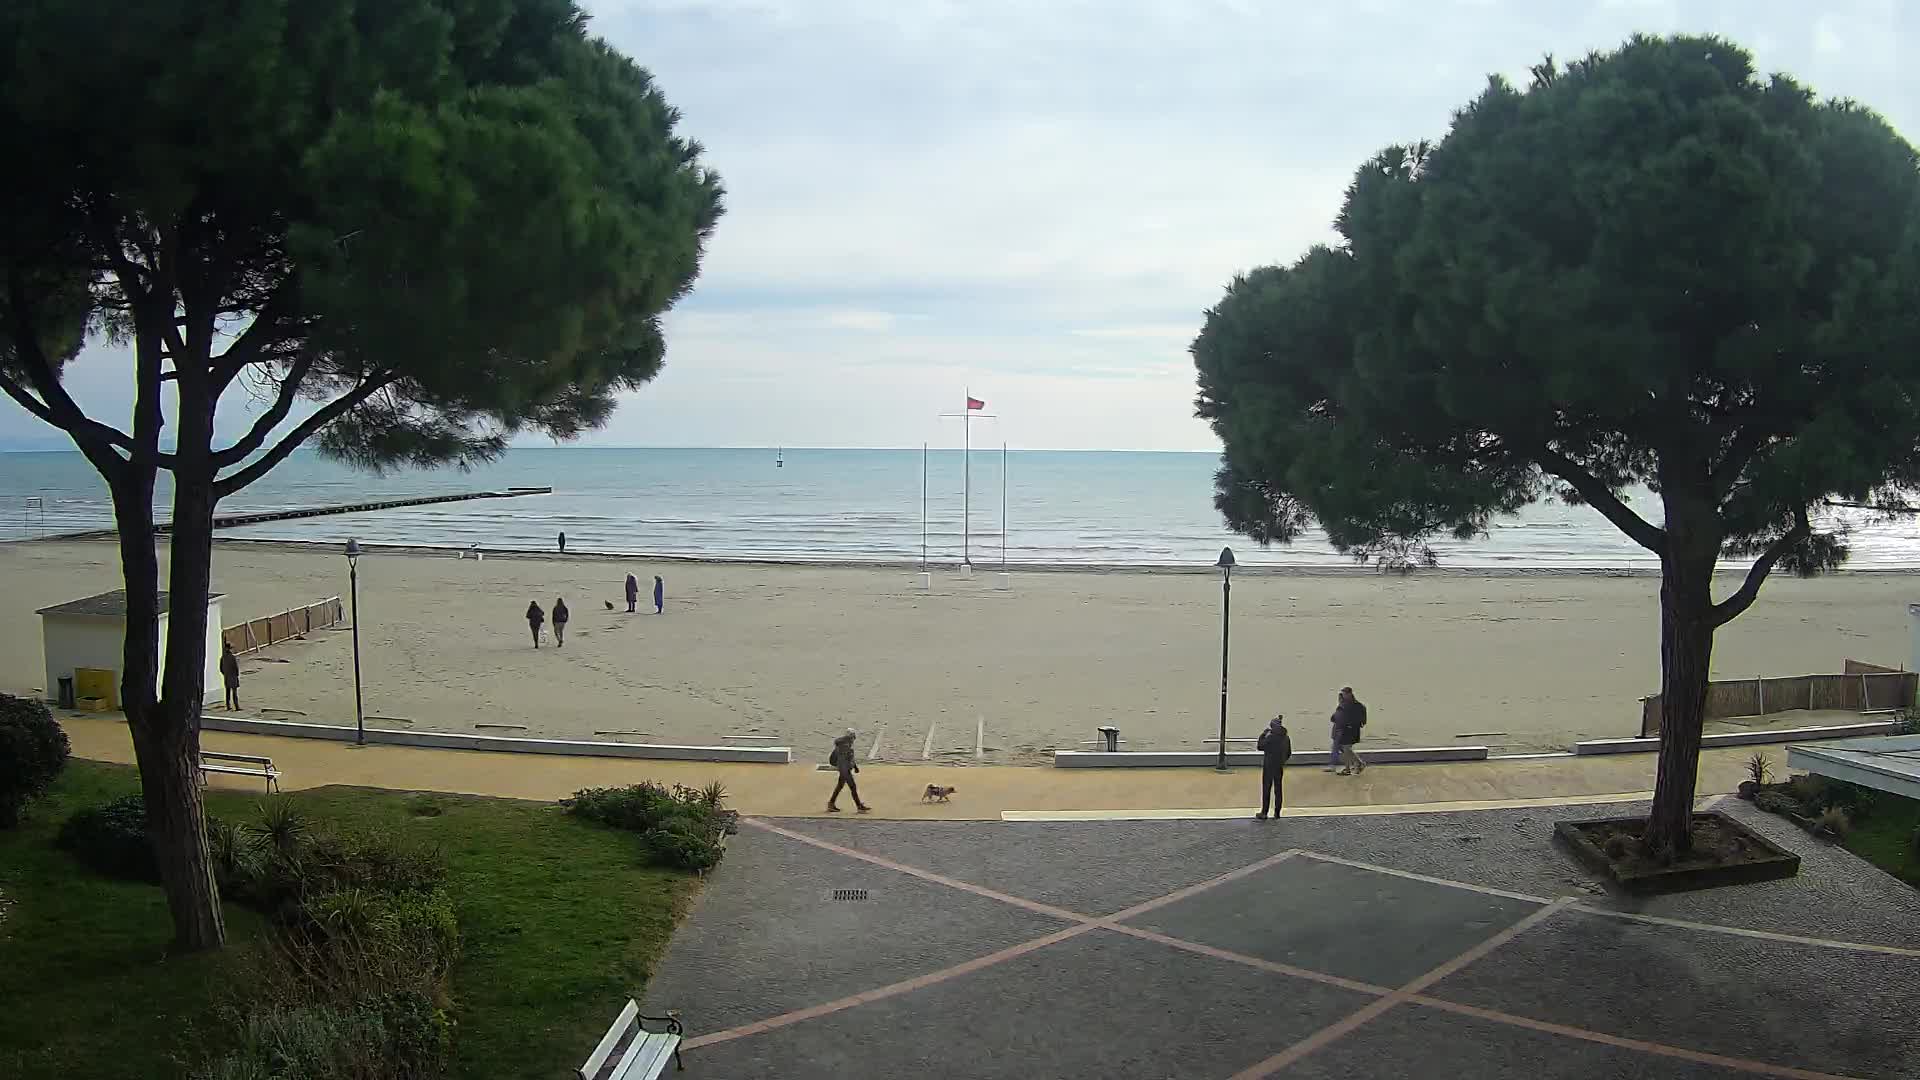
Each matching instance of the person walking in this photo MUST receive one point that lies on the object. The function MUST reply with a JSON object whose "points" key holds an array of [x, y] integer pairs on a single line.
{"points": [[535, 619], [633, 592], [563, 543], [1348, 718], [230, 674], [842, 760], [560, 617], [1276, 746], [659, 595]]}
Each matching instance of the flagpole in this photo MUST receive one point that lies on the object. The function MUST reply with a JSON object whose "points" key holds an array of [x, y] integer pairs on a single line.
{"points": [[923, 506], [966, 482], [1003, 508]]}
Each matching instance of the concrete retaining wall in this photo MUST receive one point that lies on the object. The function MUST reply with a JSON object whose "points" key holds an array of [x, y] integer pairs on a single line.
{"points": [[1162, 759], [1741, 738], [448, 740]]}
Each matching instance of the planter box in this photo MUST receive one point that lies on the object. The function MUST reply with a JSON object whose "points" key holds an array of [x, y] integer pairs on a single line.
{"points": [[1765, 861]]}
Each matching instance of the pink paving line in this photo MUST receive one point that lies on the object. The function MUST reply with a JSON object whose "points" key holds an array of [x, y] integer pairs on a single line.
{"points": [[1662, 1049], [1252, 961], [1398, 997], [919, 982], [924, 875], [1178, 895]]}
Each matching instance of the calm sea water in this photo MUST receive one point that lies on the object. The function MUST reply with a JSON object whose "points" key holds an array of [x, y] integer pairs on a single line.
{"points": [[1062, 507]]}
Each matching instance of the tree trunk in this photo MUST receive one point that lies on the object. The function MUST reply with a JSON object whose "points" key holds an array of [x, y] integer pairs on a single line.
{"points": [[1686, 655], [166, 739]]}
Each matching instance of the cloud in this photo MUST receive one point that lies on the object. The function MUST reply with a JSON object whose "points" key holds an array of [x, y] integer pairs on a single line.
{"points": [[1039, 201]]}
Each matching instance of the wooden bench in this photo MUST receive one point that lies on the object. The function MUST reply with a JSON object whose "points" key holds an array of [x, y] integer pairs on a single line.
{"points": [[240, 765], [629, 1051]]}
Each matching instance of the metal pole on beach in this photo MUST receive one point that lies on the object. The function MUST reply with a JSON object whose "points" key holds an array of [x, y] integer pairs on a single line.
{"points": [[353, 586], [1226, 606], [966, 483], [1003, 508], [923, 506]]}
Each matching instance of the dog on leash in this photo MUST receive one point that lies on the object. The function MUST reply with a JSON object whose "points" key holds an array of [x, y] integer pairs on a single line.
{"points": [[936, 793]]}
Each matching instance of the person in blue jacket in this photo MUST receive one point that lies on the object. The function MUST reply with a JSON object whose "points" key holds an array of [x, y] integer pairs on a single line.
{"points": [[659, 595]]}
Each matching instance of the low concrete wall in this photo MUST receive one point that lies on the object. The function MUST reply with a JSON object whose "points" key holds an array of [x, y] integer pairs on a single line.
{"points": [[448, 740], [1163, 759], [1742, 738]]}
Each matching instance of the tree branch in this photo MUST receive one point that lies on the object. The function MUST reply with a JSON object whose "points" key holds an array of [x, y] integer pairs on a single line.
{"points": [[321, 417], [262, 332], [1745, 445], [54, 405], [267, 421], [1729, 609], [1601, 498]]}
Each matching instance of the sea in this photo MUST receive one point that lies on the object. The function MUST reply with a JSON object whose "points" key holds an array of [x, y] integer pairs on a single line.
{"points": [[1030, 508]]}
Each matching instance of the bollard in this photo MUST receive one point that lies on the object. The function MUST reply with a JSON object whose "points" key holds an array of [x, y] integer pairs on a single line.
{"points": [[1112, 735]]}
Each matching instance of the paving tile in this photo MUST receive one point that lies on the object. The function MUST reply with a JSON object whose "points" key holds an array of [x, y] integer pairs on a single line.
{"points": [[1796, 1005], [1101, 1006], [1344, 921]]}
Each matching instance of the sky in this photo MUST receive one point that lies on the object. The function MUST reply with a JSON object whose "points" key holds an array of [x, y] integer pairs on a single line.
{"points": [[1036, 201]]}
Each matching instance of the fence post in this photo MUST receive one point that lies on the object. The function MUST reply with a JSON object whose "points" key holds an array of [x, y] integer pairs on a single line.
{"points": [[1866, 699], [1760, 693]]}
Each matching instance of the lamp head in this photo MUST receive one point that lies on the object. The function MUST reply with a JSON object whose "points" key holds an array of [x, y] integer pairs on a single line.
{"points": [[353, 551], [1226, 559]]}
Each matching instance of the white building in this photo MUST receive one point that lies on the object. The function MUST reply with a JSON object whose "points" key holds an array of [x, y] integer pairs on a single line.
{"points": [[91, 633]]}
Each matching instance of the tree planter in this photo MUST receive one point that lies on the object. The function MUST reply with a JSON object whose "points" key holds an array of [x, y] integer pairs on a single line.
{"points": [[1725, 853]]}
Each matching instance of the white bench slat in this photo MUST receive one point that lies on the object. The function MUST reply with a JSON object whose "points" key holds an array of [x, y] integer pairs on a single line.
{"points": [[648, 1056], [238, 771], [611, 1039]]}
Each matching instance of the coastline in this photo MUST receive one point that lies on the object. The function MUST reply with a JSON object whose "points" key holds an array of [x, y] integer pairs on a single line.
{"points": [[1726, 569]]}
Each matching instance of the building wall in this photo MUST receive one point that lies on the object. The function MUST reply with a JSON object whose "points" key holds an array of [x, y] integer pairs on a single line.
{"points": [[77, 641]]}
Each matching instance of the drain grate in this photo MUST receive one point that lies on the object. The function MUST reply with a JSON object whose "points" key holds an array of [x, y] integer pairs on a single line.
{"points": [[849, 894]]}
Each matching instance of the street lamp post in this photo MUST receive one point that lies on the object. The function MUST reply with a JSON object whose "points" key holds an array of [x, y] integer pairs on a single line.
{"points": [[1226, 605], [353, 587]]}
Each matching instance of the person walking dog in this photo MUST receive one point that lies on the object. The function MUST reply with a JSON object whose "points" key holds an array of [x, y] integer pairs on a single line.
{"points": [[1276, 746], [842, 760]]}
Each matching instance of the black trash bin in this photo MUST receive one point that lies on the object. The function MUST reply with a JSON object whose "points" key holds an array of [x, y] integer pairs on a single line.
{"points": [[66, 691]]}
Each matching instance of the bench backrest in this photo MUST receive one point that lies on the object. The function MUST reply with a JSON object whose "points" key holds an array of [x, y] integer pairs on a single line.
{"points": [[629, 1016], [255, 758]]}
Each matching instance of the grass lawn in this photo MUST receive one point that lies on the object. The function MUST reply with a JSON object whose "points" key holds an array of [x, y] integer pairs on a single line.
{"points": [[559, 924], [1886, 837]]}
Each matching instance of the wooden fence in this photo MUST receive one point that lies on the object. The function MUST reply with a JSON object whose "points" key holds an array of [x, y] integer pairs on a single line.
{"points": [[292, 623], [1864, 688]]}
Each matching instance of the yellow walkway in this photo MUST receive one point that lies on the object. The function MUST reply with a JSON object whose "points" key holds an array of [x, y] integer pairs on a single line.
{"points": [[985, 792]]}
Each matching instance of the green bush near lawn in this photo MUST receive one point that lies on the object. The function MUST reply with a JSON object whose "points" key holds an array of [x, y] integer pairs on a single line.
{"points": [[554, 923], [1889, 838]]}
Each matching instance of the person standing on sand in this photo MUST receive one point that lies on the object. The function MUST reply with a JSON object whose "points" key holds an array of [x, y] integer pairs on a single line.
{"points": [[535, 619], [230, 674], [560, 617], [633, 592], [563, 548], [842, 760], [659, 596], [1277, 746], [1348, 718]]}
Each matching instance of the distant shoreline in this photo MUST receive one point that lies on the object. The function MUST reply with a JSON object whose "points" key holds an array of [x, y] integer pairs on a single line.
{"points": [[1735, 569]]}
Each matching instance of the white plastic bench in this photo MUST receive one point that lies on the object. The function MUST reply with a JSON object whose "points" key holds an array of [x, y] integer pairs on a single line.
{"points": [[240, 765], [629, 1051]]}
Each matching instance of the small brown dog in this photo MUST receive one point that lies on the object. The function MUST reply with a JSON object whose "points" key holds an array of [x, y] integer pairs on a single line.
{"points": [[936, 793]]}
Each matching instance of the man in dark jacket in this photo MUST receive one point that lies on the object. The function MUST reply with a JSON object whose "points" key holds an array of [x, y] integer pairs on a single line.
{"points": [[230, 674], [1348, 718], [1276, 746], [633, 592], [843, 760]]}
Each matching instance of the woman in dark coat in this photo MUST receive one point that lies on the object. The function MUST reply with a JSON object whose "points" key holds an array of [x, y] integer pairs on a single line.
{"points": [[633, 592], [560, 617], [535, 619], [659, 595]]}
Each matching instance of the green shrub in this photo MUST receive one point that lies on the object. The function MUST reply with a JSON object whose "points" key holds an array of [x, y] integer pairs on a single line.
{"points": [[1774, 802], [112, 839], [680, 827], [33, 750], [398, 1035], [683, 843]]}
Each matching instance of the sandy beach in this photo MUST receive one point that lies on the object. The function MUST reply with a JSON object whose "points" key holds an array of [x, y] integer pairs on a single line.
{"points": [[796, 654]]}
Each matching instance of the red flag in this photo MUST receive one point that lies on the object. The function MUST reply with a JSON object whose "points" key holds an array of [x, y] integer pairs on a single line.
{"points": [[975, 403]]}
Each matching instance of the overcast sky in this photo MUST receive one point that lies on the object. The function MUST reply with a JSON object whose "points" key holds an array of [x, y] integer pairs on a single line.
{"points": [[1037, 200]]}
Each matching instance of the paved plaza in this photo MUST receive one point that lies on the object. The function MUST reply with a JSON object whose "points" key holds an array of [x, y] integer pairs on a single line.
{"points": [[1458, 944]]}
